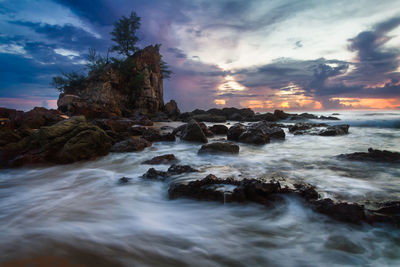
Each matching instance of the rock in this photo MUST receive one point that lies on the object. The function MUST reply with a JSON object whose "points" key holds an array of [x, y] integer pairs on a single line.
{"points": [[124, 180], [236, 117], [219, 129], [171, 109], [335, 130], [235, 131], [373, 155], [179, 169], [254, 136], [155, 175], [65, 142], [341, 211], [172, 170], [193, 132], [265, 117], [39, 116], [130, 145], [8, 136], [328, 118], [281, 115], [154, 135], [209, 118], [205, 130], [307, 191], [137, 130], [219, 147], [268, 129], [112, 92], [163, 159], [140, 119]]}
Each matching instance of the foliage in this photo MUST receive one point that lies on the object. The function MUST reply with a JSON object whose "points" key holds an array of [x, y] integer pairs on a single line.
{"points": [[165, 70], [96, 62], [124, 34], [68, 81]]}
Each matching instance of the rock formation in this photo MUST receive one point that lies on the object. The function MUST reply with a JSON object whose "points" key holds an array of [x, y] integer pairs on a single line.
{"points": [[138, 85]]}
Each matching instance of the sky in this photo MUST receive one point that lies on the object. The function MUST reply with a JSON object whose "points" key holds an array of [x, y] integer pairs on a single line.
{"points": [[266, 55]]}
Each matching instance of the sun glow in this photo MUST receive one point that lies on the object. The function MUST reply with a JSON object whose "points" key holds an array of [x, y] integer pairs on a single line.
{"points": [[231, 85], [220, 101], [374, 103]]}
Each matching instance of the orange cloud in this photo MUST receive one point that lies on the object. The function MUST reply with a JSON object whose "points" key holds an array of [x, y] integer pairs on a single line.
{"points": [[220, 101], [374, 103]]}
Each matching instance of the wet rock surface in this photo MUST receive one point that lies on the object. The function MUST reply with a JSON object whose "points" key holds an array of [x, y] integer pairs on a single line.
{"points": [[219, 148], [258, 133], [321, 129], [172, 170], [219, 129], [192, 132], [373, 155]]}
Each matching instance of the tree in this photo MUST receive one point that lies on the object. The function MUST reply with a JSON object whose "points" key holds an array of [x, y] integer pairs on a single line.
{"points": [[96, 62], [68, 81], [124, 34]]}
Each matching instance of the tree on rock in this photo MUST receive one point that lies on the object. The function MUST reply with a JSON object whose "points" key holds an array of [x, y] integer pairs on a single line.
{"points": [[124, 34]]}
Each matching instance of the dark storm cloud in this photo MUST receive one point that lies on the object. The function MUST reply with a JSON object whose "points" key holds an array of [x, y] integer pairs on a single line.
{"points": [[178, 53]]}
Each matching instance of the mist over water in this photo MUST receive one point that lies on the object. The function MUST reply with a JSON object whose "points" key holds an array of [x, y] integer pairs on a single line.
{"points": [[81, 212]]}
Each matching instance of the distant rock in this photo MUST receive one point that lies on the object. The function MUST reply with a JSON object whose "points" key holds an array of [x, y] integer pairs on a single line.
{"points": [[335, 130], [130, 145], [163, 159], [219, 148], [171, 109], [373, 155], [209, 118], [319, 129]]}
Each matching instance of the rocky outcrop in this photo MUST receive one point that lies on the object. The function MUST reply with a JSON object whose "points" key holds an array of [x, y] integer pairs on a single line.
{"points": [[65, 142], [321, 129], [373, 155], [219, 148], [171, 109], [118, 92], [257, 133]]}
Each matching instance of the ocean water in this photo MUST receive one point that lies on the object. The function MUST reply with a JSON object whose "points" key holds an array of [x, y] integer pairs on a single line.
{"points": [[80, 212]]}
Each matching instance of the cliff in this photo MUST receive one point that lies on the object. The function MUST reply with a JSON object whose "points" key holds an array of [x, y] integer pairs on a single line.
{"points": [[120, 89]]}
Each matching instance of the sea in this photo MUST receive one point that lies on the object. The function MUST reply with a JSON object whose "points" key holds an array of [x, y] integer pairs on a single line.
{"points": [[80, 212]]}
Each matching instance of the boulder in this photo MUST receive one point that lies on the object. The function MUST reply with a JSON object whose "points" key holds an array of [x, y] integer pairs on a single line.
{"points": [[131, 145], [373, 155], [8, 136], [154, 135], [39, 116], [236, 117], [172, 170], [281, 115], [65, 142], [268, 129], [341, 211], [219, 148], [205, 129], [209, 118], [179, 169], [254, 136], [155, 175], [171, 109], [163, 159], [235, 131], [193, 132], [219, 129]]}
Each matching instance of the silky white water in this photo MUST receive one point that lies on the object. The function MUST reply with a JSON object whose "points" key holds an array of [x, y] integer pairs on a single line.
{"points": [[80, 210]]}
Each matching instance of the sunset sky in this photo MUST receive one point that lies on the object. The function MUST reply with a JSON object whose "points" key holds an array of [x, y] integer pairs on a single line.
{"points": [[292, 55]]}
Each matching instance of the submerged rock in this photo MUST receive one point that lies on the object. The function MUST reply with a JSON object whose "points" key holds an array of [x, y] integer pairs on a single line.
{"points": [[163, 159], [155, 175], [124, 180], [341, 211], [179, 169], [335, 130], [373, 155], [172, 170], [130, 145], [219, 147]]}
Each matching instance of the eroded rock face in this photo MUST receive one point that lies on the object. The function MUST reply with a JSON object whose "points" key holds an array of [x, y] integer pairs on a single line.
{"points": [[110, 94], [373, 155], [219, 148], [65, 142]]}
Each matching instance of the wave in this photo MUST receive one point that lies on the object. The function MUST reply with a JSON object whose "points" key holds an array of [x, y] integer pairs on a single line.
{"points": [[393, 124]]}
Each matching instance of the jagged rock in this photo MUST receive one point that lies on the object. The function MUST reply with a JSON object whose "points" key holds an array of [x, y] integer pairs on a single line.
{"points": [[114, 93], [373, 155], [219, 147], [65, 142], [163, 159], [193, 132], [235, 131], [130, 145], [219, 129], [335, 130]]}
